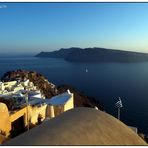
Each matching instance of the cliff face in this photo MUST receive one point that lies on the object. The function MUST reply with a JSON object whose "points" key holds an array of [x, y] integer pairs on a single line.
{"points": [[62, 53], [96, 55], [105, 55], [48, 89]]}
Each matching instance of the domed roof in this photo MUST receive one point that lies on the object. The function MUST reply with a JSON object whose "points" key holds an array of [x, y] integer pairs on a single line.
{"points": [[80, 126], [5, 124]]}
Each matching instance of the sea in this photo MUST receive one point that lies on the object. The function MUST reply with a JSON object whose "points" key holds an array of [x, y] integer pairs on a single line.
{"points": [[103, 81]]}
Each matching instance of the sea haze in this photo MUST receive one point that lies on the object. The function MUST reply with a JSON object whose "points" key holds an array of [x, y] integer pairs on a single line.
{"points": [[104, 81]]}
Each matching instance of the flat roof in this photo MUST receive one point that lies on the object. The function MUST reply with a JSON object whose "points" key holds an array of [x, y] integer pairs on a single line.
{"points": [[59, 99]]}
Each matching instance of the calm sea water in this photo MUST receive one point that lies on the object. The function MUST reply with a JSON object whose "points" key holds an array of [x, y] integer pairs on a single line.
{"points": [[106, 82]]}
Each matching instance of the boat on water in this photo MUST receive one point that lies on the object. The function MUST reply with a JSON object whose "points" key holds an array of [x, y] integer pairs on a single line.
{"points": [[86, 70]]}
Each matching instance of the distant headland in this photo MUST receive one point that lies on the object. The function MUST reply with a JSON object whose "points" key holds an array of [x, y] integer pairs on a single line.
{"points": [[95, 54]]}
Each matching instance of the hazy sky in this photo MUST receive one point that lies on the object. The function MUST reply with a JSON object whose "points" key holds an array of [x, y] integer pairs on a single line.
{"points": [[35, 27]]}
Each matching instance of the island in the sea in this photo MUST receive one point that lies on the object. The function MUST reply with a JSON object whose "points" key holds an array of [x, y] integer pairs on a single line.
{"points": [[95, 54]]}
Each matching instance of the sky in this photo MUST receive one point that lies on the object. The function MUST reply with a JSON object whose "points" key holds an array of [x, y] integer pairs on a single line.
{"points": [[34, 27]]}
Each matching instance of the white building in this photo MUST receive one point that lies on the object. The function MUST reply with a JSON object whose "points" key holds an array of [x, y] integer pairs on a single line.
{"points": [[9, 85], [49, 108], [2, 86], [14, 87], [35, 111], [61, 103]]}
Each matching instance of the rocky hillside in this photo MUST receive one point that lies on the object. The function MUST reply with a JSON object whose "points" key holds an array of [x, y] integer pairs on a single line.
{"points": [[105, 55], [61, 53], [95, 55], [49, 89]]}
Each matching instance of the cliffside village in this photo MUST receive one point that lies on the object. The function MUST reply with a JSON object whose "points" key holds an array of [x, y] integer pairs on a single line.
{"points": [[24, 106], [29, 107]]}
